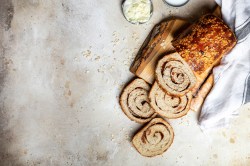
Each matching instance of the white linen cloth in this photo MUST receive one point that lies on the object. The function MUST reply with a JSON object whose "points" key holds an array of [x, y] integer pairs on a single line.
{"points": [[232, 78]]}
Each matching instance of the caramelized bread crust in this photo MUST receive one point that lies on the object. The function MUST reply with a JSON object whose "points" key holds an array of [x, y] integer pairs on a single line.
{"points": [[204, 43]]}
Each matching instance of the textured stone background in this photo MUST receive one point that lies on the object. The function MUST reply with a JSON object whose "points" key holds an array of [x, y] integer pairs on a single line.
{"points": [[62, 67]]}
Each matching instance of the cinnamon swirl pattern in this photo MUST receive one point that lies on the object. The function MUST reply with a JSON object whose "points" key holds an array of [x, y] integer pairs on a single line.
{"points": [[154, 139], [135, 103], [174, 75], [169, 106]]}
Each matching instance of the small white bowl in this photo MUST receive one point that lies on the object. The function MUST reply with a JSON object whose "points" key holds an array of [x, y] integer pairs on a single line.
{"points": [[176, 4]]}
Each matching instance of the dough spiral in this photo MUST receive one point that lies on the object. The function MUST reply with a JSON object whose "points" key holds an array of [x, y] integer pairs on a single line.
{"points": [[135, 103], [174, 75], [154, 139], [169, 106]]}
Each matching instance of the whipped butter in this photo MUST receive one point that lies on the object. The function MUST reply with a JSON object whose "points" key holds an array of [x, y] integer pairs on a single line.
{"points": [[137, 11]]}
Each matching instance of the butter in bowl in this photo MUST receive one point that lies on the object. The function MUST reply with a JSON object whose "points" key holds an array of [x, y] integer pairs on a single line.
{"points": [[137, 11]]}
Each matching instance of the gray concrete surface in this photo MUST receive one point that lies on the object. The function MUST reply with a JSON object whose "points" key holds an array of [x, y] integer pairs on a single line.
{"points": [[62, 67]]}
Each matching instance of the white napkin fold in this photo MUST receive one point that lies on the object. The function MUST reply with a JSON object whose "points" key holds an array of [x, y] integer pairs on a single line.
{"points": [[232, 77]]}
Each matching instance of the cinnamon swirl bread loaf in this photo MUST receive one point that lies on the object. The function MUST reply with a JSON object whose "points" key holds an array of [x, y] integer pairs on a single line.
{"points": [[169, 106], [174, 75], [135, 103], [203, 44], [154, 139]]}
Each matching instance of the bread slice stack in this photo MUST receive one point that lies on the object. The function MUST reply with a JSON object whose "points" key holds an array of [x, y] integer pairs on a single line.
{"points": [[178, 77], [170, 95]]}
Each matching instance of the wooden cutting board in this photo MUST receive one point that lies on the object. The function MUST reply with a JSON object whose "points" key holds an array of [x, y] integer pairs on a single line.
{"points": [[152, 50]]}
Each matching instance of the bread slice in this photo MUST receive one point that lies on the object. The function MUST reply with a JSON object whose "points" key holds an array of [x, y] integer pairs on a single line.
{"points": [[203, 44], [154, 139], [174, 75], [135, 103], [198, 100], [169, 106]]}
